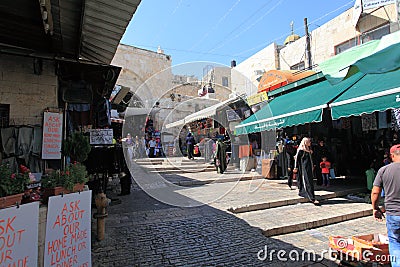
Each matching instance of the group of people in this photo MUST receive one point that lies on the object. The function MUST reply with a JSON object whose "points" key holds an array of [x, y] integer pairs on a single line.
{"points": [[140, 148], [308, 163], [387, 179]]}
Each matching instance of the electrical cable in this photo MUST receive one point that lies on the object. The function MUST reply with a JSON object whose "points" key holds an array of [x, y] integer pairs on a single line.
{"points": [[238, 55], [216, 25], [166, 23], [288, 33], [224, 42], [248, 18]]}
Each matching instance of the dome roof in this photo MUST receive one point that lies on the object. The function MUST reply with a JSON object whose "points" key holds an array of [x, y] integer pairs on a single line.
{"points": [[291, 38]]}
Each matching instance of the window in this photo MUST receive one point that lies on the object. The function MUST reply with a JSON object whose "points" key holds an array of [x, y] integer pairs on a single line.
{"points": [[298, 66], [346, 45], [225, 81], [375, 34]]}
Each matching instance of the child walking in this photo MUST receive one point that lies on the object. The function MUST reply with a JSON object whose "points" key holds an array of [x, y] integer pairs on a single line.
{"points": [[325, 167]]}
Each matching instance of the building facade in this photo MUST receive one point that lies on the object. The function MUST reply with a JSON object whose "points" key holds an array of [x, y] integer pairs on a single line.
{"points": [[330, 39]]}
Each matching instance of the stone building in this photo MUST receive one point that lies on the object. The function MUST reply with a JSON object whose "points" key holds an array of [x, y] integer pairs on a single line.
{"points": [[330, 39], [146, 73]]}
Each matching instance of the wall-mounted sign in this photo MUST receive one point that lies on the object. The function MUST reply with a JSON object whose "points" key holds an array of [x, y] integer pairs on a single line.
{"points": [[257, 98], [369, 4], [52, 135], [68, 231], [101, 136], [19, 235]]}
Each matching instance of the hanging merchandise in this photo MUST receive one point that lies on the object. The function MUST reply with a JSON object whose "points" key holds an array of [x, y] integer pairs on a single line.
{"points": [[396, 119], [368, 122], [382, 120]]}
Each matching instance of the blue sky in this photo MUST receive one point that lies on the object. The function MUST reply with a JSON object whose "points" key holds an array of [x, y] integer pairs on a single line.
{"points": [[222, 30]]}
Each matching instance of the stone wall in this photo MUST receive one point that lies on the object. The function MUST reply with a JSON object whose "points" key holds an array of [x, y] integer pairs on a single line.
{"points": [[148, 74], [27, 94]]}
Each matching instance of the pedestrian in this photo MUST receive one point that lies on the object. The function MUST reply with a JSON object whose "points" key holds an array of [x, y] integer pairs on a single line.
{"points": [[303, 167], [220, 157], [370, 174], [129, 145], [152, 147], [320, 150], [325, 166], [190, 145], [290, 152], [388, 177]]}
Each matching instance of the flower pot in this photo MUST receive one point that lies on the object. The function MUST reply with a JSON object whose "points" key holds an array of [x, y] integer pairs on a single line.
{"points": [[11, 200], [78, 187], [58, 190]]}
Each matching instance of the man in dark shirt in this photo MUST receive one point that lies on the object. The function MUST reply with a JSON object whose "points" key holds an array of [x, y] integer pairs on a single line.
{"points": [[388, 177]]}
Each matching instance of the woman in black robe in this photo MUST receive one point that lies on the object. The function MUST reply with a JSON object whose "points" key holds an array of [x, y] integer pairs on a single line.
{"points": [[220, 157], [304, 170]]}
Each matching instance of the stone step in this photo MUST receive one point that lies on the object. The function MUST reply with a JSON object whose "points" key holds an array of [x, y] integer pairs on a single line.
{"points": [[320, 195], [181, 170], [219, 180], [300, 217], [169, 168]]}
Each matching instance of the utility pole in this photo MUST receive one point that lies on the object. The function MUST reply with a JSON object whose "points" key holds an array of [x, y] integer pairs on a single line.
{"points": [[308, 49]]}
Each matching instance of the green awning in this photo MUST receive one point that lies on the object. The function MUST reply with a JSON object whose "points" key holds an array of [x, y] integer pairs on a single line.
{"points": [[299, 107], [377, 56], [374, 92]]}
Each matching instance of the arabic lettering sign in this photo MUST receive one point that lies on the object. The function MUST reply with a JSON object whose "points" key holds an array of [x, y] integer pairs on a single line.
{"points": [[270, 125], [52, 135], [68, 232], [19, 235], [101, 136]]}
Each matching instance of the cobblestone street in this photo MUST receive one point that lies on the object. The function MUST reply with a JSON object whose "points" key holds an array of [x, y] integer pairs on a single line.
{"points": [[142, 231]]}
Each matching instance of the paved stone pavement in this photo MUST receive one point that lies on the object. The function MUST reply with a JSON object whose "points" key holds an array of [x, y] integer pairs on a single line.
{"points": [[142, 231]]}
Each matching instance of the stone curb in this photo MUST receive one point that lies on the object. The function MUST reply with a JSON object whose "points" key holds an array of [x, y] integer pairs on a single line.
{"points": [[224, 180], [291, 201], [316, 223]]}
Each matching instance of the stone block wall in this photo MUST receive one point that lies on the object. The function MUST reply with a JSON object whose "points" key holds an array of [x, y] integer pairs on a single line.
{"points": [[27, 94]]}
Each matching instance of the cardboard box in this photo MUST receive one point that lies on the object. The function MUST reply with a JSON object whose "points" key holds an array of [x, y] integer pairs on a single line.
{"points": [[269, 169]]}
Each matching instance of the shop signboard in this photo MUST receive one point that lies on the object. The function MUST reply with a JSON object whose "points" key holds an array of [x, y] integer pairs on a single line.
{"points": [[101, 136], [68, 231], [52, 135], [370, 4], [19, 235], [257, 98]]}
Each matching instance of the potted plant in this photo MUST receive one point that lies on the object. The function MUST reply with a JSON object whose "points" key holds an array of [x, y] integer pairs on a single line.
{"points": [[77, 147], [72, 179], [12, 184]]}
